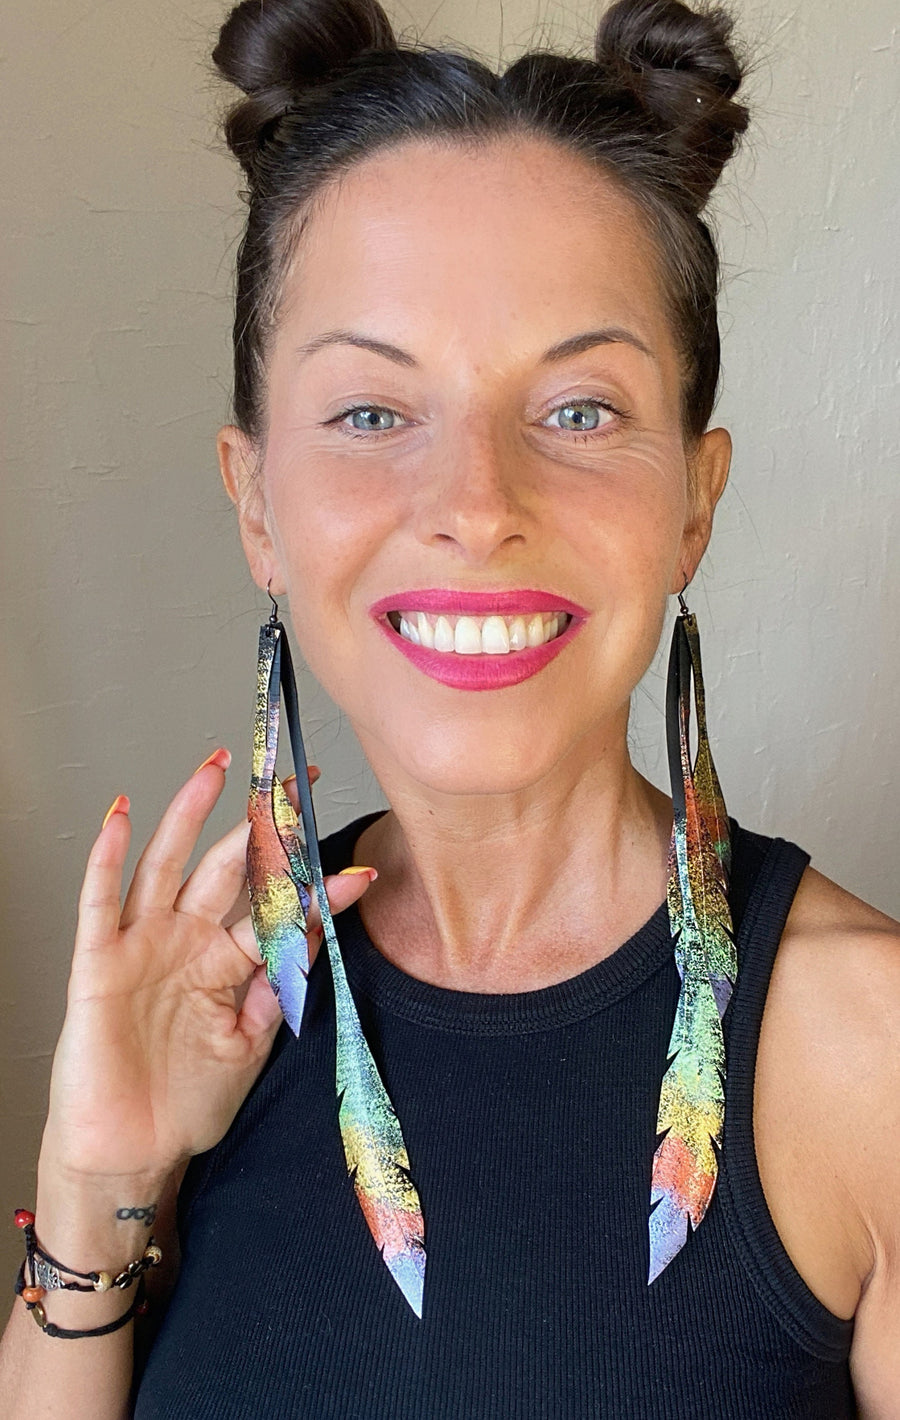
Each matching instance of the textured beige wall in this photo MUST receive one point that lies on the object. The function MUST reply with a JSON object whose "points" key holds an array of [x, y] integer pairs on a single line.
{"points": [[129, 621]]}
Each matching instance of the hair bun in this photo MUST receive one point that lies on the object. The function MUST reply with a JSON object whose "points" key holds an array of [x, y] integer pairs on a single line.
{"points": [[682, 70], [274, 49]]}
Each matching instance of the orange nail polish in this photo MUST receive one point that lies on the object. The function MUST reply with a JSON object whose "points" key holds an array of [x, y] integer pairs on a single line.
{"points": [[291, 778], [120, 805], [345, 872], [219, 757]]}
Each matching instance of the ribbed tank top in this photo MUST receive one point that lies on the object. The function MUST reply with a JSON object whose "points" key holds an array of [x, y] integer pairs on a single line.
{"points": [[530, 1124]]}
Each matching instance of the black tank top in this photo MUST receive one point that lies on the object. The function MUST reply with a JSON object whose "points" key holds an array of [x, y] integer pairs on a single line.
{"points": [[530, 1123]]}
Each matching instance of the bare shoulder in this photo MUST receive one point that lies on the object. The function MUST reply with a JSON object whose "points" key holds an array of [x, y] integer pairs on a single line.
{"points": [[827, 1110], [836, 989], [829, 1078], [822, 906]]}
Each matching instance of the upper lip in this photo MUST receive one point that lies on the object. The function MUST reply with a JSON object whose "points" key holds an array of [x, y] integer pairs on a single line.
{"points": [[450, 601]]}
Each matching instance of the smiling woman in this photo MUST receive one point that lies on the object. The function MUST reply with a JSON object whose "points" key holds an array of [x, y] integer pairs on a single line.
{"points": [[567, 1038]]}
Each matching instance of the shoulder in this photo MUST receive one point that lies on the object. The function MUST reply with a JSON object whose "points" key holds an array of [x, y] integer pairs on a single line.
{"points": [[835, 1022], [828, 1073], [838, 969]]}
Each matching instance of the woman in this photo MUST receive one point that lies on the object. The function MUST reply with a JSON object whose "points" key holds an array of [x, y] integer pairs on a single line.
{"points": [[476, 358]]}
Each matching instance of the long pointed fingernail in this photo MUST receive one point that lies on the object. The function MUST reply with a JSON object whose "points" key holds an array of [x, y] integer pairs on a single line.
{"points": [[220, 757], [372, 872], [119, 805]]}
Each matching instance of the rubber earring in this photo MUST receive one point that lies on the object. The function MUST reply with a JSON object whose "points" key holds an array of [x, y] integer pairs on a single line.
{"points": [[692, 1097], [284, 868]]}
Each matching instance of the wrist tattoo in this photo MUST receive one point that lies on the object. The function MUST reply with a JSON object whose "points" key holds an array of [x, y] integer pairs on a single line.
{"points": [[146, 1215]]}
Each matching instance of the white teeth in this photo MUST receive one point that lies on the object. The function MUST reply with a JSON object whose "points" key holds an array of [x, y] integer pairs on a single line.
{"points": [[518, 634], [467, 637], [536, 631], [474, 635], [495, 637], [443, 635], [410, 631]]}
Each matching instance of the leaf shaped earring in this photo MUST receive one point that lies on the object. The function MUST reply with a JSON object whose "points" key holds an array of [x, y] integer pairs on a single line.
{"points": [[283, 868], [278, 872], [692, 1098]]}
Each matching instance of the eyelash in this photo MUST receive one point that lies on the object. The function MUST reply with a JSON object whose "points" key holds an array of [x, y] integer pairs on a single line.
{"points": [[573, 435]]}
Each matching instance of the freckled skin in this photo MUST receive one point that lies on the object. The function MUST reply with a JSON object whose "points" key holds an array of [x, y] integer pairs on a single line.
{"points": [[475, 263]]}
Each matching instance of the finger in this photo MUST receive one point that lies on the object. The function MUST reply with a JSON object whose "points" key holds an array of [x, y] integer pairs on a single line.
{"points": [[242, 933], [260, 1015], [99, 904], [218, 878], [290, 785], [343, 889], [157, 877]]}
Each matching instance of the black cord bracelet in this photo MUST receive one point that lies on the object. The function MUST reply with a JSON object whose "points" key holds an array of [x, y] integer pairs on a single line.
{"points": [[41, 1273], [49, 1328]]}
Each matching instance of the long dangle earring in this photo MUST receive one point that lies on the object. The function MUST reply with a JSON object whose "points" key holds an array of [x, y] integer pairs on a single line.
{"points": [[283, 870], [692, 1097]]}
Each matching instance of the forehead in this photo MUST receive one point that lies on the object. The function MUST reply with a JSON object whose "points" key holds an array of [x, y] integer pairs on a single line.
{"points": [[511, 233]]}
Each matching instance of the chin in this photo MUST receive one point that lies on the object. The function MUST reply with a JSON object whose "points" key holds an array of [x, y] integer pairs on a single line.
{"points": [[452, 758]]}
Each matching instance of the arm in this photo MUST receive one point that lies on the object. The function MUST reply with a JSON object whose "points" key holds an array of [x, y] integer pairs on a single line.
{"points": [[45, 1376], [169, 1020]]}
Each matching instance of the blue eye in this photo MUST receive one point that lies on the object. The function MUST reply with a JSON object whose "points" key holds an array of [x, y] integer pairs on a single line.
{"points": [[370, 418], [582, 416]]}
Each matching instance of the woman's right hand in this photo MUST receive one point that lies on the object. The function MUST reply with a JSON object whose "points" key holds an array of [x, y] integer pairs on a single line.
{"points": [[170, 1015]]}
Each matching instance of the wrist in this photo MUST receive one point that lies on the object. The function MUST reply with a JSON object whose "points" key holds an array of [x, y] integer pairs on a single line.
{"points": [[95, 1224]]}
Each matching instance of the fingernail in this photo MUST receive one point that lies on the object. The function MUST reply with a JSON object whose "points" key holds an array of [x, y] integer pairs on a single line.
{"points": [[291, 779], [372, 872], [219, 757], [120, 805]]}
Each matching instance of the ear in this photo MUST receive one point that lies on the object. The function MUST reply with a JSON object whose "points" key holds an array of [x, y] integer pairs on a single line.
{"points": [[238, 465], [708, 467]]}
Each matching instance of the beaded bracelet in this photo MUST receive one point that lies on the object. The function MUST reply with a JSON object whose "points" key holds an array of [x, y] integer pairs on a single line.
{"points": [[41, 1273]]}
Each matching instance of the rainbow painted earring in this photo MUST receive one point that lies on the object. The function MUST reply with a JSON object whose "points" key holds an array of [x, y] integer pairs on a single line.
{"points": [[284, 869], [692, 1098]]}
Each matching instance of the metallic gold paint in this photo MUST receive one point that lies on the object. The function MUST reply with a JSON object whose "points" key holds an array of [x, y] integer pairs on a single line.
{"points": [[692, 1097], [374, 1148], [281, 871], [278, 873]]}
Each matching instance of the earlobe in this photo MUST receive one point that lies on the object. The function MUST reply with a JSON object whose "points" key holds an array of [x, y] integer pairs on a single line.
{"points": [[238, 467]]}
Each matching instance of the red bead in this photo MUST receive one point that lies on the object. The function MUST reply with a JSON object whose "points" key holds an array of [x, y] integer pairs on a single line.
{"points": [[143, 1308], [24, 1219], [32, 1294]]}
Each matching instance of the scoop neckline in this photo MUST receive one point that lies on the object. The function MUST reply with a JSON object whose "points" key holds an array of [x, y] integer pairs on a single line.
{"points": [[595, 989]]}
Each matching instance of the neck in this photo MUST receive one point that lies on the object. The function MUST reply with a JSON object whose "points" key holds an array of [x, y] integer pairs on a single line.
{"points": [[515, 891]]}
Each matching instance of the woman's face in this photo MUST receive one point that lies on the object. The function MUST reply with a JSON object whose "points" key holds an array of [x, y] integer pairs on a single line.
{"points": [[474, 423]]}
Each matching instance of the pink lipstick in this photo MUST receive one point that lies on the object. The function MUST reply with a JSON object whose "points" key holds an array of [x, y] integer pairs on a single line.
{"points": [[478, 671]]}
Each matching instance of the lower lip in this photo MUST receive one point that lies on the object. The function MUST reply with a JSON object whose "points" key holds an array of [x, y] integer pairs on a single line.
{"points": [[481, 672]]}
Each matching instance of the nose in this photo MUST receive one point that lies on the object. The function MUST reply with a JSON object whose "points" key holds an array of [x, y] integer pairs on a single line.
{"points": [[474, 498]]}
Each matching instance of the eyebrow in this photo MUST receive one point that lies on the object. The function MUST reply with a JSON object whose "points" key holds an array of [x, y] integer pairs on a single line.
{"points": [[564, 350]]}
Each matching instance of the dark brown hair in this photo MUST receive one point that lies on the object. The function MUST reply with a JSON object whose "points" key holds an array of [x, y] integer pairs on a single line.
{"points": [[327, 85]]}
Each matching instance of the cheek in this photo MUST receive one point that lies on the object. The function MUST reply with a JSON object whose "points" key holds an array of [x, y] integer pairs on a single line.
{"points": [[329, 527], [627, 525]]}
